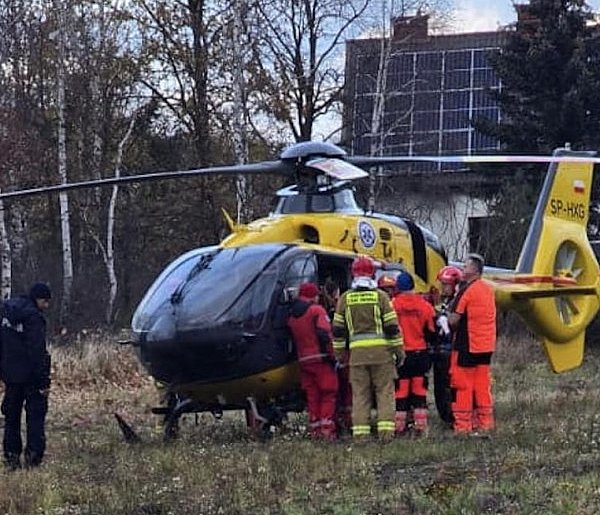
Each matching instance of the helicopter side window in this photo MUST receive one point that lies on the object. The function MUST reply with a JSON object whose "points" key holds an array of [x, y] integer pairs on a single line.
{"points": [[251, 308], [322, 204], [302, 269], [294, 204], [345, 202], [234, 289]]}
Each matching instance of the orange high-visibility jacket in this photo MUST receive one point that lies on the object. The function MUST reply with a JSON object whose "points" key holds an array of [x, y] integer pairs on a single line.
{"points": [[476, 330], [415, 316]]}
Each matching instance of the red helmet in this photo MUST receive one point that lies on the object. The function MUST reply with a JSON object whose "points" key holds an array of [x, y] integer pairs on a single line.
{"points": [[385, 281], [363, 267], [450, 275]]}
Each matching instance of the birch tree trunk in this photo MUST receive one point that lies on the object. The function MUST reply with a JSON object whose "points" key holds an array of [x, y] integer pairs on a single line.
{"points": [[240, 112], [377, 129], [109, 255], [5, 257], [65, 223]]}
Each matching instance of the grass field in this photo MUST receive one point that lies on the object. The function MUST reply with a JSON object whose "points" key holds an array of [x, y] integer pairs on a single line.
{"points": [[543, 458]]}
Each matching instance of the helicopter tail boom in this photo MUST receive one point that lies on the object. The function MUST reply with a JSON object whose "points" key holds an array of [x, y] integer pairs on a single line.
{"points": [[556, 288]]}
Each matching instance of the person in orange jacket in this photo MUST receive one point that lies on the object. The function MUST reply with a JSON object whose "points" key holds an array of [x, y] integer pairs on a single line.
{"points": [[473, 317], [311, 332], [416, 319]]}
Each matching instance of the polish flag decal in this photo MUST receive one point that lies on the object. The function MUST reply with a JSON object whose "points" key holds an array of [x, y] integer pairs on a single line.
{"points": [[578, 186]]}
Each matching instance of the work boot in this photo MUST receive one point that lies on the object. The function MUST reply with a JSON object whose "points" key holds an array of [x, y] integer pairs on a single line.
{"points": [[420, 418], [400, 422], [386, 436], [328, 433], [361, 439], [12, 462], [32, 459], [314, 429], [483, 419]]}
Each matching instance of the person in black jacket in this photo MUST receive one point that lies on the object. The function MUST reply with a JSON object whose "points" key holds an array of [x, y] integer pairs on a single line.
{"points": [[25, 370]]}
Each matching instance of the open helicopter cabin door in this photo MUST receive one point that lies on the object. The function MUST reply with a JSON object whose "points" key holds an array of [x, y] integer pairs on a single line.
{"points": [[330, 272], [334, 269], [334, 279]]}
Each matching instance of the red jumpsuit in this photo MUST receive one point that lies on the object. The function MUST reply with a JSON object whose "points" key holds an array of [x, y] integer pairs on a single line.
{"points": [[311, 332], [474, 344], [416, 318]]}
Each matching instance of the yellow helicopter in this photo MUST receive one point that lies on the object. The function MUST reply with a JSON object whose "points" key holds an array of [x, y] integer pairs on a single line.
{"points": [[212, 327]]}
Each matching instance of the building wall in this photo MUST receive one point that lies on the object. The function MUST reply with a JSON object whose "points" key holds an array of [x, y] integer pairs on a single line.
{"points": [[446, 216]]}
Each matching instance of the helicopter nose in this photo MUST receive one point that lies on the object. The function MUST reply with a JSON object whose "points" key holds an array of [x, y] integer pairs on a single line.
{"points": [[163, 329], [180, 356], [156, 341]]}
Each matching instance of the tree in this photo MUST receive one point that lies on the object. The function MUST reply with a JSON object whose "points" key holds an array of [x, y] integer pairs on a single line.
{"points": [[180, 40], [550, 96], [65, 217], [382, 127], [18, 149], [550, 79], [302, 39], [240, 107]]}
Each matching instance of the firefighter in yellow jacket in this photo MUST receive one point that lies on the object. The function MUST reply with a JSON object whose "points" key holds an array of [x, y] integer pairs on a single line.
{"points": [[365, 322]]}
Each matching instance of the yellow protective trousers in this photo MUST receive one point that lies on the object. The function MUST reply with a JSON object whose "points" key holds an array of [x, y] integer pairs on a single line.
{"points": [[366, 379]]}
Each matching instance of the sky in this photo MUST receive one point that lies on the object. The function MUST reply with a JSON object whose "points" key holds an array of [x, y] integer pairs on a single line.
{"points": [[480, 15]]}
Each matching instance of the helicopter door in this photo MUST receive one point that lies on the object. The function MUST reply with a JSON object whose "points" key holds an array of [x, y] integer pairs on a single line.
{"points": [[334, 269], [334, 279], [303, 268]]}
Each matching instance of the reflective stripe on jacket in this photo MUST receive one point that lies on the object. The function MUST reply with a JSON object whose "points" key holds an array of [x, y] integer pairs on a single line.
{"points": [[365, 318]]}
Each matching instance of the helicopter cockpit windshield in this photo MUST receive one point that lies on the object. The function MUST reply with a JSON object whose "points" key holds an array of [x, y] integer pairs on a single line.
{"points": [[170, 281], [214, 287]]}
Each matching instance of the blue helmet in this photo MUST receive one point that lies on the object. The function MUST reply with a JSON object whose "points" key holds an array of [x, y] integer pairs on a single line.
{"points": [[404, 282]]}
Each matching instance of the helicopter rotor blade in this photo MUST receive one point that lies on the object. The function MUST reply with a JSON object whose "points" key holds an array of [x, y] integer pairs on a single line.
{"points": [[580, 157], [264, 167], [338, 166]]}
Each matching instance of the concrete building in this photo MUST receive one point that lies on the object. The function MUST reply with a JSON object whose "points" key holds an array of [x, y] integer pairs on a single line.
{"points": [[422, 97]]}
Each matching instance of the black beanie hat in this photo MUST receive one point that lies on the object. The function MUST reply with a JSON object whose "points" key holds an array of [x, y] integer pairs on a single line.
{"points": [[40, 291]]}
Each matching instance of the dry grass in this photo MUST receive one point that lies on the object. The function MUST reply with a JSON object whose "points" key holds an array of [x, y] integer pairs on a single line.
{"points": [[542, 459]]}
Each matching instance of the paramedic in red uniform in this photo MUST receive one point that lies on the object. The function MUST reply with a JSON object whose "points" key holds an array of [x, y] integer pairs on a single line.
{"points": [[311, 332], [473, 317], [416, 319]]}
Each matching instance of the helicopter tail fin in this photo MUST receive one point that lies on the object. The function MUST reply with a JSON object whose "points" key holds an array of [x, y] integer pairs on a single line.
{"points": [[556, 287]]}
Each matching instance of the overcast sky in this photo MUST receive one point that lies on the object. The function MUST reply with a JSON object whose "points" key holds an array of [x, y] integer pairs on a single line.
{"points": [[478, 15]]}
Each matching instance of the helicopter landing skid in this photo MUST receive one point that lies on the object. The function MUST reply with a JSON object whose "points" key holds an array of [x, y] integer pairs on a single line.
{"points": [[177, 408], [260, 424]]}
